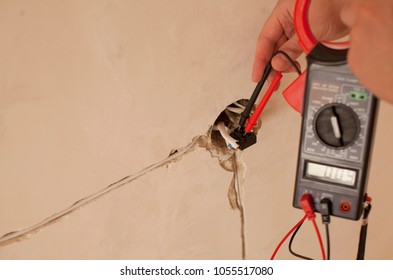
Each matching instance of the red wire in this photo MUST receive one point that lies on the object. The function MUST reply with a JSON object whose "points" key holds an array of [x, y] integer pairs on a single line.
{"points": [[293, 229], [255, 116], [286, 236], [319, 238]]}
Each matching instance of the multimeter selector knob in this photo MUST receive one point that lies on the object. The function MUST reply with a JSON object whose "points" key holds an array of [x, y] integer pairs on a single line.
{"points": [[336, 125]]}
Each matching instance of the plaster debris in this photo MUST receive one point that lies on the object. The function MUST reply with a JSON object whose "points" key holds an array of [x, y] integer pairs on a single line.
{"points": [[239, 175]]}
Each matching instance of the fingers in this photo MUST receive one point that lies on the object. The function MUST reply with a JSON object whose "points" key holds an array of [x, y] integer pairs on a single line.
{"points": [[271, 77], [271, 33], [371, 41], [291, 47], [272, 38], [348, 13], [355, 12], [280, 62]]}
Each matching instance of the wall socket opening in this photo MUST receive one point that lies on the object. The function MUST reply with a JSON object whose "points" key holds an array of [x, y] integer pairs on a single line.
{"points": [[230, 116]]}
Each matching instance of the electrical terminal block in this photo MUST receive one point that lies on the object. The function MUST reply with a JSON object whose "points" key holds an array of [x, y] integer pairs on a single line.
{"points": [[244, 140]]}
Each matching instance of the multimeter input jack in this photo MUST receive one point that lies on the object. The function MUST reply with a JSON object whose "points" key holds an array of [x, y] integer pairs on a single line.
{"points": [[345, 206]]}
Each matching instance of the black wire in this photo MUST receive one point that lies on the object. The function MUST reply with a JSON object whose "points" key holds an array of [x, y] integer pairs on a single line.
{"points": [[250, 104], [327, 241], [293, 63], [304, 257], [362, 242], [363, 233], [325, 208], [290, 245]]}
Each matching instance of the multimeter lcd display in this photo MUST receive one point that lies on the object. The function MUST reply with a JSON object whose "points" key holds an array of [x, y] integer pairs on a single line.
{"points": [[331, 174]]}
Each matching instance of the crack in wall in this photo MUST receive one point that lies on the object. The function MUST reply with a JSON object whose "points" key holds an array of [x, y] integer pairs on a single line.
{"points": [[20, 235], [229, 160]]}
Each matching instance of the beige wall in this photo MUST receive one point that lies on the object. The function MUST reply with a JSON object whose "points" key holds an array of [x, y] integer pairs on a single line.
{"points": [[93, 91]]}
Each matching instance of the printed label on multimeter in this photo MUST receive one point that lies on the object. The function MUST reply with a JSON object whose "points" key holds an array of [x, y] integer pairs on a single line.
{"points": [[336, 137]]}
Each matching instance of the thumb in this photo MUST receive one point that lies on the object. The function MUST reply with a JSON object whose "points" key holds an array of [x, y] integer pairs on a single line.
{"points": [[291, 47]]}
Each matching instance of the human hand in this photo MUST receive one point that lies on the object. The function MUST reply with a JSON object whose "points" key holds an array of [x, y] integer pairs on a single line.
{"points": [[370, 56], [278, 32]]}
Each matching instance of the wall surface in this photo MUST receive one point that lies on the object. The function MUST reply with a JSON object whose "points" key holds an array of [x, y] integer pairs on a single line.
{"points": [[92, 92]]}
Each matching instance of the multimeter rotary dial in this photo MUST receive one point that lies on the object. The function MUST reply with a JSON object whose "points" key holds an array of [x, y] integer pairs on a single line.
{"points": [[336, 125]]}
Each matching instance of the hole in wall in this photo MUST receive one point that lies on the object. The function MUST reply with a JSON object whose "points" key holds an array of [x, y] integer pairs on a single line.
{"points": [[230, 116], [215, 143]]}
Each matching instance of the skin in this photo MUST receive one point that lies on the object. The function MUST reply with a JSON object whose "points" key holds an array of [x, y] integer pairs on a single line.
{"points": [[371, 44], [278, 32], [369, 24]]}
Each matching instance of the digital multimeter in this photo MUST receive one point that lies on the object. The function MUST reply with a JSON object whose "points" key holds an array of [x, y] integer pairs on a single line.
{"points": [[338, 122], [336, 136]]}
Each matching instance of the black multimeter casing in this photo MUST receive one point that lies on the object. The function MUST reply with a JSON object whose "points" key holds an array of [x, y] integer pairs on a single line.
{"points": [[338, 123]]}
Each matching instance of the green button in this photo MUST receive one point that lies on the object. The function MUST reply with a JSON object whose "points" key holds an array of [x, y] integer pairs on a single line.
{"points": [[357, 95]]}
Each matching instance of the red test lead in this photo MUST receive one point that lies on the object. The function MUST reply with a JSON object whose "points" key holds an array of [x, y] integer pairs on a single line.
{"points": [[308, 207], [252, 121], [307, 203]]}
